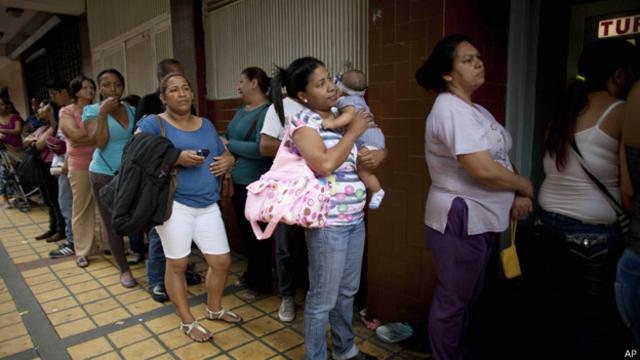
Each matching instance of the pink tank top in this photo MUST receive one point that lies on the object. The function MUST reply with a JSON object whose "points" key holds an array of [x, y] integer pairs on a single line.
{"points": [[79, 157]]}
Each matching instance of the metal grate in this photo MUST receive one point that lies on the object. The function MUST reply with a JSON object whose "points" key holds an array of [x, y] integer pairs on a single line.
{"points": [[265, 33]]}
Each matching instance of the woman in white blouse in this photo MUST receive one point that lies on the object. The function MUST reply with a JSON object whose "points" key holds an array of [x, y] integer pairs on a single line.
{"points": [[473, 189]]}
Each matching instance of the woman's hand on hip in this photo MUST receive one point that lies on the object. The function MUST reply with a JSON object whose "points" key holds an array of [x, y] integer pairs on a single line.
{"points": [[189, 158], [521, 207]]}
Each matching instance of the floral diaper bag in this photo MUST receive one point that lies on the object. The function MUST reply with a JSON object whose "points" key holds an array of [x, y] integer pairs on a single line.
{"points": [[289, 193]]}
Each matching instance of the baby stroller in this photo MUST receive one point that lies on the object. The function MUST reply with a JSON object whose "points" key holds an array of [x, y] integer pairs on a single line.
{"points": [[17, 192]]}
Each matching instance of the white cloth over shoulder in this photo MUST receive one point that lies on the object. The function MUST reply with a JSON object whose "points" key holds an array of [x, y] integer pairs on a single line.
{"points": [[455, 128], [272, 125]]}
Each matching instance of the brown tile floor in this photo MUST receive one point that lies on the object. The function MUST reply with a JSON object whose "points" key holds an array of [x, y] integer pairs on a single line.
{"points": [[90, 315]]}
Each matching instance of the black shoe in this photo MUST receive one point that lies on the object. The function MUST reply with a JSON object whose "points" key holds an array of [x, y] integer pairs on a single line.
{"points": [[56, 237], [193, 278], [159, 294], [48, 234], [363, 356], [65, 249]]}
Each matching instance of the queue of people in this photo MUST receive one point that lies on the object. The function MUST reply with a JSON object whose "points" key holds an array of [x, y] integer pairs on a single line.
{"points": [[475, 192]]}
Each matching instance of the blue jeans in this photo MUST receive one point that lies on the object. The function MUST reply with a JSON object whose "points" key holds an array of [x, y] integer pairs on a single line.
{"points": [[136, 243], [335, 261], [65, 201], [155, 260], [628, 291]]}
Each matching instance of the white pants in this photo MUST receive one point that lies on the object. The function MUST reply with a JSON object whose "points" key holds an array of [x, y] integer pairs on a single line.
{"points": [[204, 226]]}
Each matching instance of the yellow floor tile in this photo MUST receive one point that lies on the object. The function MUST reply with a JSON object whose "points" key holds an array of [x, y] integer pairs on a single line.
{"points": [[254, 351], [12, 331], [89, 349], [40, 288], [174, 339], [15, 346], [231, 279], [97, 263], [7, 307], [108, 356], [72, 272], [18, 253], [92, 295], [10, 318], [64, 316], [25, 259], [196, 290], [133, 296], [268, 305], [39, 279], [163, 357], [196, 351], [84, 286], [128, 336], [101, 306], [263, 326], [5, 296], [109, 280], [296, 353], [142, 350], [52, 295], [284, 339], [163, 323], [248, 313], [75, 327], [222, 357], [231, 301], [63, 265], [111, 317], [231, 338], [77, 279], [59, 304], [105, 272], [118, 289], [143, 306], [374, 350]]}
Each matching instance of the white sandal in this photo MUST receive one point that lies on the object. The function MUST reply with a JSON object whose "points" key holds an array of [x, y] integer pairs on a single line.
{"points": [[218, 315], [188, 328]]}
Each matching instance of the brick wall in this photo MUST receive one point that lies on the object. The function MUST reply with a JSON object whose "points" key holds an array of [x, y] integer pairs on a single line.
{"points": [[400, 275]]}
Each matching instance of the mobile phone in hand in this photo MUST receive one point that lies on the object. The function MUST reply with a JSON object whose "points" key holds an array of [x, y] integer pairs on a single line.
{"points": [[203, 152]]}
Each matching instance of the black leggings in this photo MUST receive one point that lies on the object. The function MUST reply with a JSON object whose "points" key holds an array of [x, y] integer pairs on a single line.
{"points": [[116, 242], [49, 193], [258, 274]]}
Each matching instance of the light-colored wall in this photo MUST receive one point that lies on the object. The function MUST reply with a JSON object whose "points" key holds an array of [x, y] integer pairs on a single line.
{"points": [[109, 19], [11, 76]]}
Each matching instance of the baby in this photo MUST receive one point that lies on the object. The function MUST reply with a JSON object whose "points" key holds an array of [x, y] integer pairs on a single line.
{"points": [[351, 88]]}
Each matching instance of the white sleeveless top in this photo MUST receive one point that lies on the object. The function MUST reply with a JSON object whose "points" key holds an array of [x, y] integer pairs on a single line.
{"points": [[570, 192]]}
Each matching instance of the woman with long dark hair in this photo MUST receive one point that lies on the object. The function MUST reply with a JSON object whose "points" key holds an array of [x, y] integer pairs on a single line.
{"points": [[335, 251], [243, 141], [109, 125], [584, 137], [473, 188]]}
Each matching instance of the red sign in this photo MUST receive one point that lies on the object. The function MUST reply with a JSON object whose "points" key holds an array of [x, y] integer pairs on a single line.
{"points": [[619, 26]]}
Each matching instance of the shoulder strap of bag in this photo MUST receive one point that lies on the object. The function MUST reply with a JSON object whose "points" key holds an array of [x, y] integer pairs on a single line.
{"points": [[617, 207], [163, 131], [254, 123]]}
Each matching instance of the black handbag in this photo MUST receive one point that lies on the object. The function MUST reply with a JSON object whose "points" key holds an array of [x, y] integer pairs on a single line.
{"points": [[32, 170]]}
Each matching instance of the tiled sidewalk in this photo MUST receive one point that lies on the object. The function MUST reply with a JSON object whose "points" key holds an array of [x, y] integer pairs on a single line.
{"points": [[51, 309]]}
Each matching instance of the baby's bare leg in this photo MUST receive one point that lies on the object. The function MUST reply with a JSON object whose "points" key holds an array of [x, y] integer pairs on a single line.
{"points": [[370, 180]]}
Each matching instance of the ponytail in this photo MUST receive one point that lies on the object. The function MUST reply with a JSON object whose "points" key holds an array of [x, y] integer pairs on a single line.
{"points": [[279, 79]]}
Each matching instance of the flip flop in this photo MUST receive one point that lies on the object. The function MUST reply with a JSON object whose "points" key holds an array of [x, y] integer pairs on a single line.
{"points": [[394, 332]]}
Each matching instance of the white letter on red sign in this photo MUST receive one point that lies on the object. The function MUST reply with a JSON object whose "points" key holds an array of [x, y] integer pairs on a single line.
{"points": [[636, 24]]}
